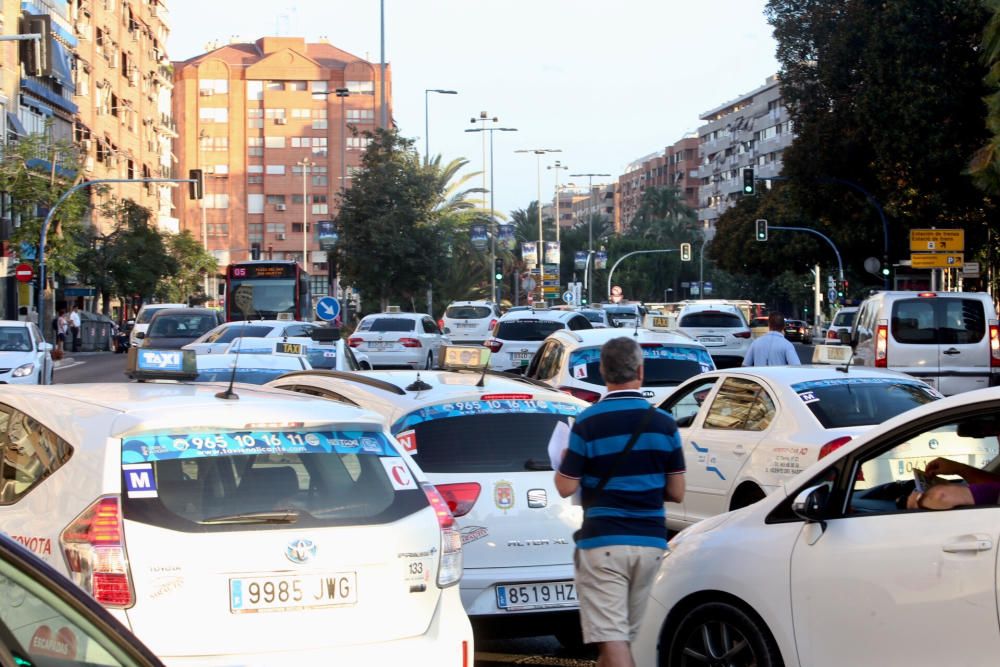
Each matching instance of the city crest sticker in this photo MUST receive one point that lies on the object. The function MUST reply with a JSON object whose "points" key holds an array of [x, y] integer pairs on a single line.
{"points": [[503, 495]]}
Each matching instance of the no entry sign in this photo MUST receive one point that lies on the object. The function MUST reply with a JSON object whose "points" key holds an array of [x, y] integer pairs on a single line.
{"points": [[24, 272]]}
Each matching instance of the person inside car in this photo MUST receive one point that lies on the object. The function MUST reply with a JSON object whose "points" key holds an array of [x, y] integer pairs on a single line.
{"points": [[982, 488]]}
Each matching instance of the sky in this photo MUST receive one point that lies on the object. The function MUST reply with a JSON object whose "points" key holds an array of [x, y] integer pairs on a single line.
{"points": [[604, 82]]}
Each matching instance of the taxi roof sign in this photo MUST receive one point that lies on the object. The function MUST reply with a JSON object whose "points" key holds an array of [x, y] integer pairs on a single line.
{"points": [[465, 357], [146, 363]]}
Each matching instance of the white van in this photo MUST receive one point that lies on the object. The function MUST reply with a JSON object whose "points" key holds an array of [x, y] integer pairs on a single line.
{"points": [[950, 340]]}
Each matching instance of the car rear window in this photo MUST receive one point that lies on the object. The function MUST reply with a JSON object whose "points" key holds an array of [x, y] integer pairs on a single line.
{"points": [[527, 329], [181, 326], [845, 402], [467, 312], [146, 315], [222, 481], [711, 320], [475, 436], [844, 319], [941, 321], [663, 365], [320, 357], [245, 375], [388, 324], [239, 331], [593, 316]]}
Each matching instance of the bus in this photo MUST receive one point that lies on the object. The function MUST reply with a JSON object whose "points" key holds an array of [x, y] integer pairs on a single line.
{"points": [[267, 290]]}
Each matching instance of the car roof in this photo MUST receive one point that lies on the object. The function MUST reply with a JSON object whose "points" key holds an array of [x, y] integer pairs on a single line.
{"points": [[406, 315], [163, 305], [14, 323], [248, 360], [479, 302], [591, 337], [538, 314], [163, 312], [787, 375], [701, 307]]}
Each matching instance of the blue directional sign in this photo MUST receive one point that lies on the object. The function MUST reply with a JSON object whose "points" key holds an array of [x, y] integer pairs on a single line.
{"points": [[327, 309], [831, 296]]}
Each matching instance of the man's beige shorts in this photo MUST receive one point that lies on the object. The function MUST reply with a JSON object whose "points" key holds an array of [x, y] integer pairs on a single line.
{"points": [[613, 583]]}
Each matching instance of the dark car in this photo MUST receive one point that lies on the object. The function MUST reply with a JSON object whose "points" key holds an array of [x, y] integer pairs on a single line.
{"points": [[45, 619], [172, 328], [797, 331]]}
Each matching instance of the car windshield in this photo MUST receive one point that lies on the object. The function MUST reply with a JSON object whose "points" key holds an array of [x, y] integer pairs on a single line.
{"points": [[844, 319], [14, 339], [180, 326], [593, 316], [146, 316], [527, 329], [663, 365], [711, 320], [306, 478], [467, 312], [860, 401], [388, 324], [322, 357], [240, 330]]}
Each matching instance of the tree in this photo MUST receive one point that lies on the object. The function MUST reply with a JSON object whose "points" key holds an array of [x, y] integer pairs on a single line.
{"points": [[133, 237], [985, 166], [193, 264]]}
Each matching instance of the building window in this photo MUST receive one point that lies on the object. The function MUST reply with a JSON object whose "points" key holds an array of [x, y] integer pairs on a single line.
{"points": [[319, 205], [274, 142], [319, 285], [319, 146], [255, 203], [255, 146], [81, 77], [129, 168], [214, 143], [319, 119], [255, 232], [218, 229], [255, 118], [275, 200], [300, 142], [319, 88], [213, 114], [255, 179], [302, 114], [358, 143], [275, 113], [319, 179], [255, 90], [216, 200], [297, 227], [361, 87], [360, 116], [298, 85], [274, 85], [209, 87], [274, 169], [275, 228]]}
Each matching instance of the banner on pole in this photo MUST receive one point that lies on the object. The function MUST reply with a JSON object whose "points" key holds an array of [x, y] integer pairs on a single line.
{"points": [[529, 253], [580, 260], [478, 236], [600, 260], [505, 237], [326, 233], [551, 252]]}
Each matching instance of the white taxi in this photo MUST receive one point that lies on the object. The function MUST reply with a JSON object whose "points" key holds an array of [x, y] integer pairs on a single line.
{"points": [[720, 327], [519, 334], [832, 570], [396, 339], [280, 528], [25, 357], [482, 440], [747, 431], [218, 339], [570, 361]]}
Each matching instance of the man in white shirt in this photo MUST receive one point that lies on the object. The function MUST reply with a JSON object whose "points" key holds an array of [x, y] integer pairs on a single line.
{"points": [[772, 349], [74, 325]]}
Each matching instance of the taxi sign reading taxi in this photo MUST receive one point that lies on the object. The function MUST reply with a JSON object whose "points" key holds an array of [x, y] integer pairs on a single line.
{"points": [[937, 240], [327, 309], [24, 273], [937, 260]]}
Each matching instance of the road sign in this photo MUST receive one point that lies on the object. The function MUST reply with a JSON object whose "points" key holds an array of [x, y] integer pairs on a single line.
{"points": [[970, 269], [937, 240], [937, 260], [568, 297], [829, 281], [616, 291], [24, 273], [831, 295], [327, 309]]}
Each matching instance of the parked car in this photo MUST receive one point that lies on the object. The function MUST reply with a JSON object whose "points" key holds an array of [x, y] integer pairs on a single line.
{"points": [[172, 328], [25, 357]]}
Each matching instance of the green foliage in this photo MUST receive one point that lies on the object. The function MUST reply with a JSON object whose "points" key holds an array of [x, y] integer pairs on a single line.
{"points": [[985, 165], [134, 237], [193, 263]]}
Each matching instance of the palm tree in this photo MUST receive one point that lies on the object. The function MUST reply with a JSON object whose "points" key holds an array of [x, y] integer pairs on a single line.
{"points": [[985, 165]]}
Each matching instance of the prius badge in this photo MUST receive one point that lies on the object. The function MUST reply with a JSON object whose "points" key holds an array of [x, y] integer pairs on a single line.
{"points": [[300, 551]]}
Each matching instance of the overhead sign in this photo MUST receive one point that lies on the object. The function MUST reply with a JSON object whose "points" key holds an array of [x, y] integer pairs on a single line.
{"points": [[327, 309], [937, 240], [937, 260], [24, 273]]}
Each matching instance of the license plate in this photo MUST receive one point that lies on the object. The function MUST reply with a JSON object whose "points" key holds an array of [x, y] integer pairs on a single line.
{"points": [[467, 325], [521, 356], [249, 595], [379, 346], [715, 340], [838, 352], [513, 597], [902, 469]]}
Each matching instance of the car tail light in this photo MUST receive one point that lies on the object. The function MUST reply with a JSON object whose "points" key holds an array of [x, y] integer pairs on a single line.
{"points": [[493, 344], [834, 445], [741, 334], [882, 346], [94, 547], [994, 345], [832, 335], [441, 324], [354, 341], [583, 394], [460, 497], [927, 294], [410, 342], [493, 324], [465, 653], [450, 561]]}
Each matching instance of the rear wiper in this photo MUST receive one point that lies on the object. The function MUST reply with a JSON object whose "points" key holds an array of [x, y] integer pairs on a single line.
{"points": [[537, 464], [277, 516]]}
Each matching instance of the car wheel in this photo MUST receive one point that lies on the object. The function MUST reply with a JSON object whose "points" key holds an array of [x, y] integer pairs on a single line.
{"points": [[719, 633], [430, 361]]}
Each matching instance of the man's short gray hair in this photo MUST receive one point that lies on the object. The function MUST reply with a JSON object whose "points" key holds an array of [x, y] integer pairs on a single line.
{"points": [[621, 359]]}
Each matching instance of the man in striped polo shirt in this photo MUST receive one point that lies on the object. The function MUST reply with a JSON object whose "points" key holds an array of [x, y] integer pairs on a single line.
{"points": [[624, 533]]}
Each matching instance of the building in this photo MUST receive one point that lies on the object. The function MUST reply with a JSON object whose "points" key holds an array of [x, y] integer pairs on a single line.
{"points": [[675, 167], [123, 81], [600, 201], [264, 122], [751, 130], [569, 195]]}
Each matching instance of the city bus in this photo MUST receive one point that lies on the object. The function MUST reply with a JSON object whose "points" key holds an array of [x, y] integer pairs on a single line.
{"points": [[267, 290]]}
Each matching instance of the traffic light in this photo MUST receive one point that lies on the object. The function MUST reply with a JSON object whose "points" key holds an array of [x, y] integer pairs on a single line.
{"points": [[841, 288], [685, 252], [749, 187], [196, 188], [761, 230], [498, 268]]}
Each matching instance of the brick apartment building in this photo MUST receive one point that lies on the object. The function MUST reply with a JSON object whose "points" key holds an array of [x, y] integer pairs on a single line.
{"points": [[263, 120], [675, 167]]}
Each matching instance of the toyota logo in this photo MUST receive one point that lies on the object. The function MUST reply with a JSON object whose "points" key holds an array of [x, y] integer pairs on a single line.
{"points": [[300, 551]]}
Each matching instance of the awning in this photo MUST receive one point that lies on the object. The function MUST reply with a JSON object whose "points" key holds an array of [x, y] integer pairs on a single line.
{"points": [[15, 125], [62, 65]]}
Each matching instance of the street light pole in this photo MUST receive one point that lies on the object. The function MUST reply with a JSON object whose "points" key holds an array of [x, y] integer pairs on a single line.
{"points": [[493, 230], [305, 163], [590, 228], [204, 212], [540, 258], [427, 123], [384, 121], [558, 166], [343, 93]]}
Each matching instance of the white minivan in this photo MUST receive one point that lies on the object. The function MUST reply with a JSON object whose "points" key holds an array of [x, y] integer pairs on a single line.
{"points": [[950, 340]]}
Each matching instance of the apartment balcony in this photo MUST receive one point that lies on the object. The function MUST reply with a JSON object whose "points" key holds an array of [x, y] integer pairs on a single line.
{"points": [[165, 123]]}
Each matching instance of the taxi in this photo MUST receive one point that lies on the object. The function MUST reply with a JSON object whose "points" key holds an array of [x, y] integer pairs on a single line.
{"points": [[747, 431], [570, 361], [481, 437], [280, 528]]}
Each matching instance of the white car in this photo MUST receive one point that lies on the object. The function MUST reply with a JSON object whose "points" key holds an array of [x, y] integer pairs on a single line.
{"points": [[570, 361], [718, 326], [25, 357], [598, 317], [145, 316], [331, 355], [395, 339], [747, 431], [218, 339], [249, 368], [469, 322], [842, 321], [483, 445], [519, 334], [281, 528], [829, 571]]}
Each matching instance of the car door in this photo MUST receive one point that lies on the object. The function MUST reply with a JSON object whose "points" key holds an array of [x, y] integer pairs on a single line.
{"points": [[868, 584], [964, 354], [720, 444], [432, 336], [687, 406]]}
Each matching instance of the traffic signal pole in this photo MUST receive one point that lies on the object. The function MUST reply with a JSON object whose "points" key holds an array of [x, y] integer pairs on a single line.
{"points": [[840, 264], [611, 273]]}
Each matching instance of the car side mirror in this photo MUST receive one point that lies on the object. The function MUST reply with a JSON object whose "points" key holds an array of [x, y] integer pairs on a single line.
{"points": [[810, 504], [45, 347]]}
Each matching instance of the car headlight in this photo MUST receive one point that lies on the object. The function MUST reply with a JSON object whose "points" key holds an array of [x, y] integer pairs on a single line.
{"points": [[22, 371]]}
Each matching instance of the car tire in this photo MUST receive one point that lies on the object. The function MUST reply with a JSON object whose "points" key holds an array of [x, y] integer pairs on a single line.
{"points": [[701, 633], [430, 361]]}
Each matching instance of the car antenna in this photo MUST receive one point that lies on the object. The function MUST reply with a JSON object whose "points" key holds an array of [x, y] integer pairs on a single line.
{"points": [[229, 394], [847, 365], [418, 385]]}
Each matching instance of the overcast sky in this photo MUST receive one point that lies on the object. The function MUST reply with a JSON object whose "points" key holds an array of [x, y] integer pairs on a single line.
{"points": [[606, 82]]}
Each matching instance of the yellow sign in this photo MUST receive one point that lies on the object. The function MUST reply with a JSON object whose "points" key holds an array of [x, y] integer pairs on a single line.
{"points": [[937, 240], [937, 260]]}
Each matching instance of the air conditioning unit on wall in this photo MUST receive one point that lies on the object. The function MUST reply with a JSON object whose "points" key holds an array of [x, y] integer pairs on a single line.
{"points": [[280, 207], [280, 237]]}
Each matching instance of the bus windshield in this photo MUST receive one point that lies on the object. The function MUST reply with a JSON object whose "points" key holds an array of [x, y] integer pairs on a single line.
{"points": [[267, 297], [268, 290]]}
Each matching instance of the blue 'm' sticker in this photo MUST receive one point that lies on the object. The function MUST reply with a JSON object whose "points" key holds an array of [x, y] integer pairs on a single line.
{"points": [[492, 407], [139, 480]]}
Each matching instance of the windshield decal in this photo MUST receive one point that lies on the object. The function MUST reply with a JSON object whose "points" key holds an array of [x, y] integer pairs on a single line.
{"points": [[801, 387], [170, 446], [592, 355], [497, 407]]}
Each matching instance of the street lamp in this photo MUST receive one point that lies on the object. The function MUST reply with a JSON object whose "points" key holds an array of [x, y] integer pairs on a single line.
{"points": [[484, 118], [539, 152], [493, 231], [427, 126], [558, 166], [343, 93], [590, 226], [202, 135], [305, 163]]}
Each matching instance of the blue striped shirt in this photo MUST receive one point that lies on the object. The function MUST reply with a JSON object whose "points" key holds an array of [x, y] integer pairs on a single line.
{"points": [[629, 510]]}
